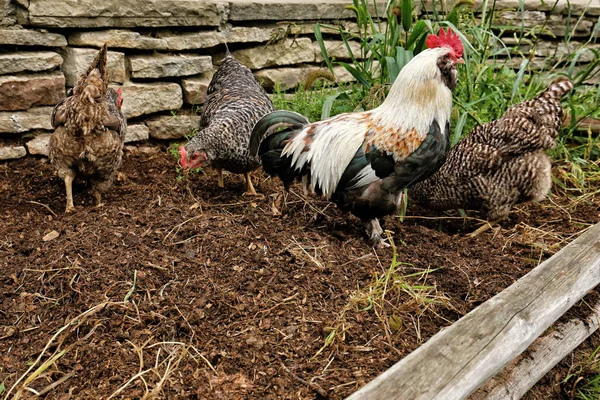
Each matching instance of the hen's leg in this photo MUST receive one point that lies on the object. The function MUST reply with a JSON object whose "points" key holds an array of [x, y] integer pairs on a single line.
{"points": [[69, 188], [99, 187], [220, 177], [375, 232], [486, 226], [250, 191]]}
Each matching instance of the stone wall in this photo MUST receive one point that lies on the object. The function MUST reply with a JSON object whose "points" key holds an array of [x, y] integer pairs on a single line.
{"points": [[162, 53]]}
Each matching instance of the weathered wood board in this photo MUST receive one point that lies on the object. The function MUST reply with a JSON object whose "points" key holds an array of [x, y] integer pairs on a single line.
{"points": [[547, 351], [460, 358]]}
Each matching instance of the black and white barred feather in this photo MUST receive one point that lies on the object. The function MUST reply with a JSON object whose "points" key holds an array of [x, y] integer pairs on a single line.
{"points": [[501, 163], [235, 102]]}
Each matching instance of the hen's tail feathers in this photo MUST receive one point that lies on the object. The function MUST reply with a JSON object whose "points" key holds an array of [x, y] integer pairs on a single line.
{"points": [[557, 89], [271, 123], [98, 63]]}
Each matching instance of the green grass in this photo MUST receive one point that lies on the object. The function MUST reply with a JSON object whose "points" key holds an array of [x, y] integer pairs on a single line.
{"points": [[173, 150], [583, 382], [487, 86], [395, 298]]}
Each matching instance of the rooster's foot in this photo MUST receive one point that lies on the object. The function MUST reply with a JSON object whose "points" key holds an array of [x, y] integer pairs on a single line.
{"points": [[375, 232], [69, 209]]}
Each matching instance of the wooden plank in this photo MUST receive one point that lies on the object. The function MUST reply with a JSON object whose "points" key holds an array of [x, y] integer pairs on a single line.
{"points": [[547, 351], [457, 360]]}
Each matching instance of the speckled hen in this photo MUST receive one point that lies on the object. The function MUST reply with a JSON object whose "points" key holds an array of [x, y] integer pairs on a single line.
{"points": [[501, 163], [89, 131], [235, 101], [362, 161]]}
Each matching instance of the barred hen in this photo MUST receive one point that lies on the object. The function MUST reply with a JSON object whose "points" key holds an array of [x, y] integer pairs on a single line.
{"points": [[362, 161], [501, 163], [234, 103], [89, 132]]}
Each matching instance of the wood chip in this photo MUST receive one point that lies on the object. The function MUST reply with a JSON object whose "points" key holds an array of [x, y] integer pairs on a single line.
{"points": [[50, 236]]}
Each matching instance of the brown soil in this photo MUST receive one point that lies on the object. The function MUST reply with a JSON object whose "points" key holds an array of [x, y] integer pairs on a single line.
{"points": [[178, 288]]}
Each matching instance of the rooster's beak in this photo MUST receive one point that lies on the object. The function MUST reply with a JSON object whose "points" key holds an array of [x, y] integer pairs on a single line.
{"points": [[460, 61]]}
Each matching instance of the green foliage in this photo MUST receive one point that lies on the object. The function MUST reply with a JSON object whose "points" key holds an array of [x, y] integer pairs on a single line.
{"points": [[173, 150], [498, 72], [583, 381]]}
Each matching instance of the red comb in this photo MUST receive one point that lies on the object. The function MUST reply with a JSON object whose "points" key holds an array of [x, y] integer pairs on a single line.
{"points": [[119, 91], [446, 38]]}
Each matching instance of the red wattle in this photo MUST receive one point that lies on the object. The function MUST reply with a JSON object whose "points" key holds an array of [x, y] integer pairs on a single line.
{"points": [[183, 155]]}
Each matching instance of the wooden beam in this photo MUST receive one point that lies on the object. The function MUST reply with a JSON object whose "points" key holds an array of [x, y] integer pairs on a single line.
{"points": [[457, 360], [547, 351]]}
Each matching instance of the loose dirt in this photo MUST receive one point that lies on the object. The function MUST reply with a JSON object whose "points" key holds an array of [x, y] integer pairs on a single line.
{"points": [[179, 289]]}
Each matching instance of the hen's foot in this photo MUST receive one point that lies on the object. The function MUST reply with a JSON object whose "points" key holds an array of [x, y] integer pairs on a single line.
{"points": [[483, 228], [69, 209], [250, 191], [98, 198]]}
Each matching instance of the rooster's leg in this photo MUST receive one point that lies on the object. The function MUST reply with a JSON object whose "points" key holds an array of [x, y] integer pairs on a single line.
{"points": [[220, 177], [375, 231], [69, 188], [305, 184], [249, 186]]}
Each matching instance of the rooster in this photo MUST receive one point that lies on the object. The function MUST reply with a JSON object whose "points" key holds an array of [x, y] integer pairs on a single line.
{"points": [[89, 132], [362, 161], [501, 163], [235, 102]]}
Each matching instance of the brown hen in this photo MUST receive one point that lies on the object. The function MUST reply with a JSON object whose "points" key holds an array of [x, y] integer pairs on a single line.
{"points": [[89, 132], [501, 163]]}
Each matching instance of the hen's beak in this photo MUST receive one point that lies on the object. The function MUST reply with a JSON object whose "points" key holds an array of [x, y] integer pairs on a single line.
{"points": [[460, 61]]}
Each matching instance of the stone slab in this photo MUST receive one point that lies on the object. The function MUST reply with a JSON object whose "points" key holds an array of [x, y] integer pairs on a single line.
{"points": [[147, 98], [288, 78], [287, 52], [194, 89], [29, 37], [162, 40], [162, 65], [20, 92], [173, 126], [39, 144], [136, 133], [12, 152], [77, 61], [29, 61], [23, 121], [123, 13]]}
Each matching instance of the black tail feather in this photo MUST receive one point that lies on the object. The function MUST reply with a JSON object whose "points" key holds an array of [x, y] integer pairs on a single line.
{"points": [[271, 123]]}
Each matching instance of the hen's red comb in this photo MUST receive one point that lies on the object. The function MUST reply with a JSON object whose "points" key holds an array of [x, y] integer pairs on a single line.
{"points": [[119, 91], [446, 38]]}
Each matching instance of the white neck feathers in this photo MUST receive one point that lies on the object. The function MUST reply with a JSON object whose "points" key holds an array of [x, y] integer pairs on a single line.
{"points": [[418, 96]]}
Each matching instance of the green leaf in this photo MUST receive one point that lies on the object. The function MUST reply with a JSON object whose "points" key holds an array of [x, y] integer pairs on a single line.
{"points": [[458, 129], [328, 104], [520, 74], [392, 68], [407, 9], [419, 29], [357, 75], [319, 37]]}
